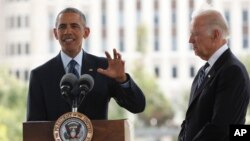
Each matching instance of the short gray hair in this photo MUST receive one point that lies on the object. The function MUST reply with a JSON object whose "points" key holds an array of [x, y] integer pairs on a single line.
{"points": [[214, 20]]}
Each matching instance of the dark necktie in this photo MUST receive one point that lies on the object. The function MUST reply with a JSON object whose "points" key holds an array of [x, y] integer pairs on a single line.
{"points": [[72, 68], [202, 74]]}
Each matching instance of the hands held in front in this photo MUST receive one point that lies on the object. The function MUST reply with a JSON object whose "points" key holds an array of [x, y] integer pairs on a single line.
{"points": [[116, 69]]}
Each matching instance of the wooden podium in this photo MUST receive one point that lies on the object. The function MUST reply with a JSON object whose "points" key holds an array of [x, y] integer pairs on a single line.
{"points": [[104, 130]]}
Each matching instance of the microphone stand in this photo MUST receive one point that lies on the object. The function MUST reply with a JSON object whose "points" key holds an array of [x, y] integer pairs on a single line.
{"points": [[74, 105]]}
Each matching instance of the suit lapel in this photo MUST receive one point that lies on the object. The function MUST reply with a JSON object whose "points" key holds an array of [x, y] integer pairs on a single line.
{"points": [[196, 92], [58, 70], [88, 65]]}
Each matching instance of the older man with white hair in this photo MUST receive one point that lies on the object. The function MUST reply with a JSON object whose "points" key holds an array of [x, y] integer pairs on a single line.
{"points": [[221, 89]]}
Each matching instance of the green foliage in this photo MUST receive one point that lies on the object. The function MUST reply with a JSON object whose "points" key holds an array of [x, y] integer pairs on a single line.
{"points": [[12, 107], [115, 111], [246, 62], [158, 107]]}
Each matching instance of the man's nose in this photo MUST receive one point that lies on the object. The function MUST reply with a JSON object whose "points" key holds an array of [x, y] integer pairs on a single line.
{"points": [[191, 40], [68, 30]]}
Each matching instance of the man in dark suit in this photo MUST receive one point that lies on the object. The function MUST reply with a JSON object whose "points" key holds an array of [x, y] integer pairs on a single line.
{"points": [[220, 91], [45, 102]]}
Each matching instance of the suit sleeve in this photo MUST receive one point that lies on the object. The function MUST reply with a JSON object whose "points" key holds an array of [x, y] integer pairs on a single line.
{"points": [[131, 97], [35, 103], [231, 100]]}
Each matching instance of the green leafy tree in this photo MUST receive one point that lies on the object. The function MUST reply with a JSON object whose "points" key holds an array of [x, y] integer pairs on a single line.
{"points": [[115, 111], [158, 108], [12, 107]]}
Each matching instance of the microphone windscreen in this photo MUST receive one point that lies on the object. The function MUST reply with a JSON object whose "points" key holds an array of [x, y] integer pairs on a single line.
{"points": [[69, 79], [88, 80]]}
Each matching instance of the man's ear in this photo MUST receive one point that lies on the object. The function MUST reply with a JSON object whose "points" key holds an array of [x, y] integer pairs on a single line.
{"points": [[86, 31], [55, 33], [216, 35]]}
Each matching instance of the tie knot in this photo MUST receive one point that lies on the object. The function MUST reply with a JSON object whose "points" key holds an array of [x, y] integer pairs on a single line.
{"points": [[72, 63], [205, 66]]}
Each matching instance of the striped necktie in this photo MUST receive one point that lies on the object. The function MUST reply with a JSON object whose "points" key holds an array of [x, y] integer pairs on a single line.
{"points": [[72, 68], [202, 74]]}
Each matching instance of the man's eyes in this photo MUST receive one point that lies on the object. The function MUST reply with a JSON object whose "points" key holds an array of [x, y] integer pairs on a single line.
{"points": [[62, 26], [75, 26], [72, 26]]}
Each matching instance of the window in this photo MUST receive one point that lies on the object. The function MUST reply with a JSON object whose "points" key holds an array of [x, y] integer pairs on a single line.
{"points": [[19, 49], [19, 21], [156, 5], [103, 19], [121, 5], [157, 71], [173, 17], [26, 21], [245, 16], [156, 19], [26, 75], [18, 74], [174, 45], [12, 22], [12, 49], [104, 45], [245, 42], [156, 45], [174, 72], [138, 11], [121, 45], [227, 16], [192, 71], [27, 48]]}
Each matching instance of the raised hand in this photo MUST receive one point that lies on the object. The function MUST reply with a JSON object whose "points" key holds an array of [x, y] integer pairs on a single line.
{"points": [[116, 69]]}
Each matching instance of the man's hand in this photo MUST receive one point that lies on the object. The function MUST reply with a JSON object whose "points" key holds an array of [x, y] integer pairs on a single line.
{"points": [[115, 68]]}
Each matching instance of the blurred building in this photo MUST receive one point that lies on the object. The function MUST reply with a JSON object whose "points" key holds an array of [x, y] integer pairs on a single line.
{"points": [[152, 33]]}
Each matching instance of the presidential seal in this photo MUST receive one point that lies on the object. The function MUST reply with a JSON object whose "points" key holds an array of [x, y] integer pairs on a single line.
{"points": [[73, 126]]}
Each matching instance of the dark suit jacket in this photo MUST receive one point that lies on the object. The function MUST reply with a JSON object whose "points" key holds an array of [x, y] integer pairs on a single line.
{"points": [[221, 100], [45, 102]]}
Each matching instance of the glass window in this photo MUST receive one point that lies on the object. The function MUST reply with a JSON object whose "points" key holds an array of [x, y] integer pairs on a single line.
{"points": [[245, 42], [27, 48], [174, 72], [156, 45], [26, 75], [18, 74], [157, 71], [174, 45], [121, 45], [245, 16], [19, 48], [27, 21], [19, 21], [192, 71]]}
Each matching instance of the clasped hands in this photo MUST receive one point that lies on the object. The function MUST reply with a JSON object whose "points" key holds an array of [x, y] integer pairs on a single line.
{"points": [[116, 69]]}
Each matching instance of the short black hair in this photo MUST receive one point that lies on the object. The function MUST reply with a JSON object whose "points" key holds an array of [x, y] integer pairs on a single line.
{"points": [[71, 10]]}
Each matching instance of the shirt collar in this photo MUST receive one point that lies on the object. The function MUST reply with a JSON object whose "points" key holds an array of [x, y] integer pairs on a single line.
{"points": [[216, 55], [66, 59]]}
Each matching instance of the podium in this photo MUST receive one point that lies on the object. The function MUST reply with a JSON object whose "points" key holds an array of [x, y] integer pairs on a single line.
{"points": [[104, 130]]}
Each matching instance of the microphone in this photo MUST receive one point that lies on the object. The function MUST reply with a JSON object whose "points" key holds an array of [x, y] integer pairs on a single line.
{"points": [[69, 86], [86, 83]]}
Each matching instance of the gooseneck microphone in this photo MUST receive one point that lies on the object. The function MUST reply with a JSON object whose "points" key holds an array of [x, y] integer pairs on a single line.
{"points": [[86, 83], [69, 89]]}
